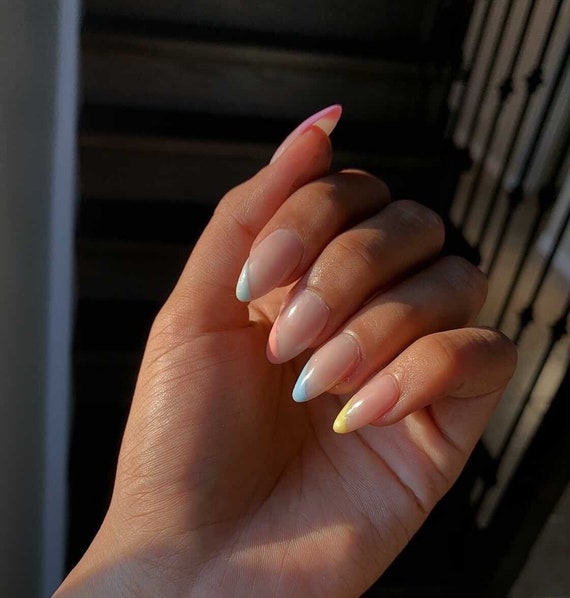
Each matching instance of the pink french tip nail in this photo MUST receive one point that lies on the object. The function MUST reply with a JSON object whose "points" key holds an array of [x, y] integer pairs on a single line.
{"points": [[369, 404], [269, 264], [297, 327], [326, 120], [332, 363]]}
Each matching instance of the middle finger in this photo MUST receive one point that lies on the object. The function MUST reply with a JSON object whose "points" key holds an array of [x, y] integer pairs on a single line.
{"points": [[350, 270]]}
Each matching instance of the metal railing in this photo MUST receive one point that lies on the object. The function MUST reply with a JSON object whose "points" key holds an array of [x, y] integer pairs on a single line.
{"points": [[534, 41]]}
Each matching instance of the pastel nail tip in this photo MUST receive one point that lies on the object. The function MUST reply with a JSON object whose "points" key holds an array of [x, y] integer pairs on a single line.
{"points": [[342, 422], [243, 292], [340, 426], [300, 389], [329, 119], [326, 119]]}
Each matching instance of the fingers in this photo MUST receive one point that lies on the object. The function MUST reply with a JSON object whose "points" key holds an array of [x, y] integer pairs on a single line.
{"points": [[210, 275], [304, 224], [459, 373], [351, 269], [446, 294]]}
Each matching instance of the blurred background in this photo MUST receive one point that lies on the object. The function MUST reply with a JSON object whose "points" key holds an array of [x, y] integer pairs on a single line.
{"points": [[122, 123]]}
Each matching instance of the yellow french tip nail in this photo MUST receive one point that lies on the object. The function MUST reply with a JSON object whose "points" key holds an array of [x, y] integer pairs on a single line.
{"points": [[340, 424], [370, 403]]}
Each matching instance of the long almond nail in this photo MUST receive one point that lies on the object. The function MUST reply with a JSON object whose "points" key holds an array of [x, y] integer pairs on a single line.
{"points": [[326, 120], [328, 366], [269, 264], [369, 404], [297, 327]]}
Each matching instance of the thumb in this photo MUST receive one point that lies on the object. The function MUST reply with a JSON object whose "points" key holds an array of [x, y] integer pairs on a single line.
{"points": [[205, 293]]}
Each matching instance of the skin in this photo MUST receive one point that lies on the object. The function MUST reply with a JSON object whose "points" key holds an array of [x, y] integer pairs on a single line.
{"points": [[224, 485]]}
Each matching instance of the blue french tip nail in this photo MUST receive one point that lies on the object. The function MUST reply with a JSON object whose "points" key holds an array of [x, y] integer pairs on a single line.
{"points": [[243, 292], [300, 389]]}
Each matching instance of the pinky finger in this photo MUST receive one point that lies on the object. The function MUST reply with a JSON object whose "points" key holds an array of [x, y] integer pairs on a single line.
{"points": [[460, 373]]}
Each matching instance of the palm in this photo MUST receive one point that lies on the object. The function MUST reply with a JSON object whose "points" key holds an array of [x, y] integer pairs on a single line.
{"points": [[255, 462]]}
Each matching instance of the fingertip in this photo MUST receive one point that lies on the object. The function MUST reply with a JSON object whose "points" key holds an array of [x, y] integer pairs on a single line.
{"points": [[271, 350], [339, 425], [329, 119], [325, 120]]}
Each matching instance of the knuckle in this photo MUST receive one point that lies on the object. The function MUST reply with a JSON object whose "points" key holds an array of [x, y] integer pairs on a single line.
{"points": [[381, 189], [418, 214], [231, 198], [503, 347], [417, 316], [356, 253], [365, 249], [462, 274], [442, 351], [171, 326]]}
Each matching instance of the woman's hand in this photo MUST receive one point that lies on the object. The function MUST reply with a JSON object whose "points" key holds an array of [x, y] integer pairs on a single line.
{"points": [[226, 485]]}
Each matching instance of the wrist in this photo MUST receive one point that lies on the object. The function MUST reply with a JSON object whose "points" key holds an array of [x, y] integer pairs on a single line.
{"points": [[123, 564], [104, 570]]}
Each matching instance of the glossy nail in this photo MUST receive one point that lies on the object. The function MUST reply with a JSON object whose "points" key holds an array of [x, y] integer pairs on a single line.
{"points": [[269, 264], [369, 404], [297, 327], [326, 120], [327, 367]]}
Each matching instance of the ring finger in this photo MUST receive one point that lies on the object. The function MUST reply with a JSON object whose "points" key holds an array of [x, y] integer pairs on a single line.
{"points": [[447, 294]]}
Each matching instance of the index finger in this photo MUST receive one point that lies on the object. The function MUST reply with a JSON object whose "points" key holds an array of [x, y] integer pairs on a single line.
{"points": [[204, 294]]}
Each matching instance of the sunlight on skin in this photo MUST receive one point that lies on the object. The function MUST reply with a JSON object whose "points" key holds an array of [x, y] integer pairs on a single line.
{"points": [[225, 485]]}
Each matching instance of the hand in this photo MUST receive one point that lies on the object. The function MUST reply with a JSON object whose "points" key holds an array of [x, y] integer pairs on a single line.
{"points": [[225, 485]]}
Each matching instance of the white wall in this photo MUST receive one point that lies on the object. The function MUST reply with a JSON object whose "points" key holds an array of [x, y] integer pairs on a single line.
{"points": [[38, 54]]}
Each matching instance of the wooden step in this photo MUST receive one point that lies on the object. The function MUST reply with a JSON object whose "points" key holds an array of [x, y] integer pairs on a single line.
{"points": [[232, 79], [134, 167], [97, 430], [105, 378], [125, 271], [201, 171], [382, 23], [113, 326], [146, 221], [385, 139]]}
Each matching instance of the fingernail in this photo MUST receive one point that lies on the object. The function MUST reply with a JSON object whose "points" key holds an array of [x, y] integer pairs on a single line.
{"points": [[269, 264], [327, 367], [326, 120], [297, 327], [369, 404]]}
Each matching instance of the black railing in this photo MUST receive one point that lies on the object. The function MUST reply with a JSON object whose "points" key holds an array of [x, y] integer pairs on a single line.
{"points": [[505, 91], [517, 192], [490, 221], [533, 81]]}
